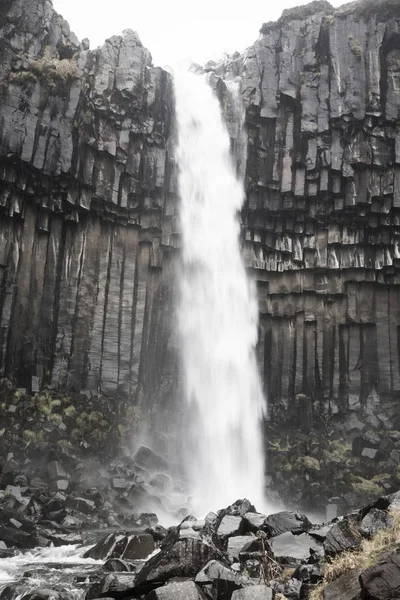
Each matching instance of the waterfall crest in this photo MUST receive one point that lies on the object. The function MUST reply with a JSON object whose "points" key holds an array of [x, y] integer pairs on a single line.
{"points": [[218, 311]]}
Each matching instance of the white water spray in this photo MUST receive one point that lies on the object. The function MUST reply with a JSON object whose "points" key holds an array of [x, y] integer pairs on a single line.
{"points": [[218, 311]]}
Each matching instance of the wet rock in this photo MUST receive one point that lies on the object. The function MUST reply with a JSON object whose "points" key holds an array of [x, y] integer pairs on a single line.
{"points": [[124, 546], [382, 581], [115, 585], [374, 521], [118, 565], [19, 539], [183, 590], [45, 594], [345, 587], [81, 505], [181, 558], [138, 546], [149, 460], [291, 549], [342, 536], [284, 521]]}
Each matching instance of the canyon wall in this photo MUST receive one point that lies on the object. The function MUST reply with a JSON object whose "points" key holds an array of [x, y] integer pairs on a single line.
{"points": [[89, 231], [88, 210], [321, 223]]}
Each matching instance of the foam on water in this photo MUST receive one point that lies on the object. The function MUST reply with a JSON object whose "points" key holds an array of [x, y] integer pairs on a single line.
{"points": [[218, 313]]}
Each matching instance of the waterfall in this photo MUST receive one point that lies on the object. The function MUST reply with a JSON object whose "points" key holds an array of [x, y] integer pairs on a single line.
{"points": [[218, 311]]}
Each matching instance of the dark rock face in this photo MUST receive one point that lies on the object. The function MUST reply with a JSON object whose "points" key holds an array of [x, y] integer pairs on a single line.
{"points": [[382, 581], [346, 587], [87, 188], [89, 228]]}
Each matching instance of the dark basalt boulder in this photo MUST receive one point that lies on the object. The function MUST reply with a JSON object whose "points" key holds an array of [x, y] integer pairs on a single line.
{"points": [[288, 548], [218, 581], [115, 585], [182, 558], [118, 566], [149, 460], [17, 538], [345, 587], [253, 521], [127, 547], [382, 581], [228, 527], [181, 590], [342, 536], [284, 521], [374, 521]]}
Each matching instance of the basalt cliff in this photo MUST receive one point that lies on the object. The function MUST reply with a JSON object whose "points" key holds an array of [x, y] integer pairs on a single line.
{"points": [[89, 227]]}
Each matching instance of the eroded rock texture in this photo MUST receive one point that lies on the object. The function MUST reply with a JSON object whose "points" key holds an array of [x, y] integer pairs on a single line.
{"points": [[87, 195], [321, 223]]}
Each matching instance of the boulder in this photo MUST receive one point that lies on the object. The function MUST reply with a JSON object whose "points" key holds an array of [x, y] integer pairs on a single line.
{"points": [[292, 549], [228, 527], [342, 536], [253, 521], [149, 460], [382, 581], [119, 566], [345, 587], [374, 521], [178, 558], [284, 521], [115, 585], [236, 543], [181, 590], [124, 546], [218, 581]]}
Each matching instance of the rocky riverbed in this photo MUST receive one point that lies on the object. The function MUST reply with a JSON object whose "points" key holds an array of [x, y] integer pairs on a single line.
{"points": [[236, 553]]}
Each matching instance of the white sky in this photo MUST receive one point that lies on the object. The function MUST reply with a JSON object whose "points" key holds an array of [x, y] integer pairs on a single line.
{"points": [[175, 30]]}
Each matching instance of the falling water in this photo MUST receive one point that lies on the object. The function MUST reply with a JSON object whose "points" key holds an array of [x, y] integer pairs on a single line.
{"points": [[218, 310]]}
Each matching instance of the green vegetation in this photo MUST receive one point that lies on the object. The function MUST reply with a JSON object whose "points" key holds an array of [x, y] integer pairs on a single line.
{"points": [[50, 71]]}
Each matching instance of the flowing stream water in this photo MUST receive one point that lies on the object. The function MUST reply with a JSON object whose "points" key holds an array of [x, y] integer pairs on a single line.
{"points": [[218, 313]]}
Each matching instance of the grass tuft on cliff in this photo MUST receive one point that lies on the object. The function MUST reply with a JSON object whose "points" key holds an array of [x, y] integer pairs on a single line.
{"points": [[370, 552]]}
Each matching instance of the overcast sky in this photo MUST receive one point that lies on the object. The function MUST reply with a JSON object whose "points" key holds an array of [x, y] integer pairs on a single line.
{"points": [[175, 30]]}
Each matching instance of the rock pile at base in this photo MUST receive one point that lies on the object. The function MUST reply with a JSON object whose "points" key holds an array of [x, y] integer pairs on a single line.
{"points": [[239, 554]]}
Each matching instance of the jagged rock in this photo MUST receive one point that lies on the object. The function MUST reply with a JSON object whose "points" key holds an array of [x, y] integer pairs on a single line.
{"points": [[229, 526], [282, 522], [345, 587], [115, 584], [126, 547], [237, 543], [253, 521], [218, 581], [185, 590], [342, 536], [374, 521], [382, 581], [146, 458], [178, 558], [118, 565]]}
